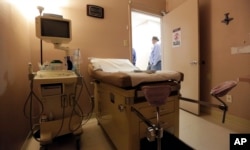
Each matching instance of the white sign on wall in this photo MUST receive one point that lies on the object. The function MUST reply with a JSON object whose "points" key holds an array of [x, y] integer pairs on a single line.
{"points": [[176, 37]]}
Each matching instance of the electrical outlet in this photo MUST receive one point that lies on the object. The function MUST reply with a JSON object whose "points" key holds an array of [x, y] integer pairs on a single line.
{"points": [[229, 98]]}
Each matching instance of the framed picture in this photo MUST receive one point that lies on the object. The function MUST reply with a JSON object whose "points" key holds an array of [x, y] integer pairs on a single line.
{"points": [[95, 11]]}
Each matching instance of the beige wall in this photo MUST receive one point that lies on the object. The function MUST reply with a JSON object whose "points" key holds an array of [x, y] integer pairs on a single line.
{"points": [[154, 7], [14, 57], [18, 46], [216, 39]]}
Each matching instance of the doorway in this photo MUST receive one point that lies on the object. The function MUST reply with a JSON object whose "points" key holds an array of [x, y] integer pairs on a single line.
{"points": [[144, 27]]}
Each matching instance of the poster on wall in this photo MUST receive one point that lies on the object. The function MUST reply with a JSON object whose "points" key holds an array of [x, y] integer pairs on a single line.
{"points": [[176, 37]]}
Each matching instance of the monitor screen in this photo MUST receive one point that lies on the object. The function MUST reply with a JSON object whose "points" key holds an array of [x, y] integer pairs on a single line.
{"points": [[53, 30]]}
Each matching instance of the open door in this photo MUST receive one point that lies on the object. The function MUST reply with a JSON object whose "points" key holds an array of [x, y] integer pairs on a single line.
{"points": [[181, 49]]}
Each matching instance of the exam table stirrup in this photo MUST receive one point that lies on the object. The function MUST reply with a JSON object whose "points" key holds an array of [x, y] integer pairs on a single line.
{"points": [[220, 91], [217, 92], [156, 96]]}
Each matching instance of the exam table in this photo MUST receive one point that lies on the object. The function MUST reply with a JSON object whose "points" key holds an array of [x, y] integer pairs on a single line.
{"points": [[126, 114], [117, 90]]}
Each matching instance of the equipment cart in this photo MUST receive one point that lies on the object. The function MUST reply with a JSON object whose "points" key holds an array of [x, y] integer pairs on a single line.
{"points": [[60, 114]]}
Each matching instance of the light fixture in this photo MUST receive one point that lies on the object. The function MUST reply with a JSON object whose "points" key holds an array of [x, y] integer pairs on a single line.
{"points": [[40, 9]]}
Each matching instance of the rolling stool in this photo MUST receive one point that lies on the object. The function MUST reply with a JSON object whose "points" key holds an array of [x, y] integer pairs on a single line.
{"points": [[156, 96]]}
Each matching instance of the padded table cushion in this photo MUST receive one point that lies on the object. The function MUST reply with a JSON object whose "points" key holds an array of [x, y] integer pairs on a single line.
{"points": [[132, 79]]}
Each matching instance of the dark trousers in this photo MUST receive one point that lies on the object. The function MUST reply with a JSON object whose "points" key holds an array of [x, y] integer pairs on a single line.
{"points": [[154, 67]]}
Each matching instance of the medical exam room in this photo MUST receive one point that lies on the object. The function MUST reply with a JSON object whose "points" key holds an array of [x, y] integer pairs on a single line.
{"points": [[68, 79]]}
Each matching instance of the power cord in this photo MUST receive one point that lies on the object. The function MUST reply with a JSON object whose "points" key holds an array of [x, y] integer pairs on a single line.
{"points": [[76, 105], [30, 101]]}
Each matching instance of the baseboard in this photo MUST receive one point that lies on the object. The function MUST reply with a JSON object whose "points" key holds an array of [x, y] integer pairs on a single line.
{"points": [[25, 144], [234, 123], [29, 136]]}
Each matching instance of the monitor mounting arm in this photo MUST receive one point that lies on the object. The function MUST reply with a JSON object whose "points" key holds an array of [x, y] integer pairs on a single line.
{"points": [[60, 47], [67, 51]]}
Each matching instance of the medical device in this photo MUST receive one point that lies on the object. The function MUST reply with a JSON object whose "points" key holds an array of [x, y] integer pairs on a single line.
{"points": [[56, 30], [55, 100], [54, 109], [53, 29]]}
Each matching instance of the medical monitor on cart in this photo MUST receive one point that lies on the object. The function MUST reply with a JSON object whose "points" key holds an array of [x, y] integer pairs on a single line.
{"points": [[55, 30]]}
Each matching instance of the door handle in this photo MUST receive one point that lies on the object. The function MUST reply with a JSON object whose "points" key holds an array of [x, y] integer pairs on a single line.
{"points": [[194, 62]]}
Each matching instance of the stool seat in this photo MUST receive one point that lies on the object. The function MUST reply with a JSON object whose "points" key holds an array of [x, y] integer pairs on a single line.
{"points": [[156, 95]]}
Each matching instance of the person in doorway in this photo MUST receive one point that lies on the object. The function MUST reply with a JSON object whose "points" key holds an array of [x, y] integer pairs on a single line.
{"points": [[133, 56], [155, 57]]}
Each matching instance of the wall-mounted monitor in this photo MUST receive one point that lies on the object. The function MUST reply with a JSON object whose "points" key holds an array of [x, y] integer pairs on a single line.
{"points": [[53, 29]]}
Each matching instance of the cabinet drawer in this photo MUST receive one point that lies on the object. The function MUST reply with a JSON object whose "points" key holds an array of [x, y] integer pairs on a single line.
{"points": [[167, 122], [150, 111]]}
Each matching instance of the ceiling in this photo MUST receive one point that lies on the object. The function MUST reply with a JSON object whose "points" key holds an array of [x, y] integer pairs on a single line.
{"points": [[140, 18]]}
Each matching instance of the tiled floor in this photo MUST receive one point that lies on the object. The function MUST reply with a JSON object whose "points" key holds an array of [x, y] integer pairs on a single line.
{"points": [[194, 131]]}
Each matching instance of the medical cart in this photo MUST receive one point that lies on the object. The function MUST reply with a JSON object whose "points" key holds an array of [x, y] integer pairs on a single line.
{"points": [[59, 112]]}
